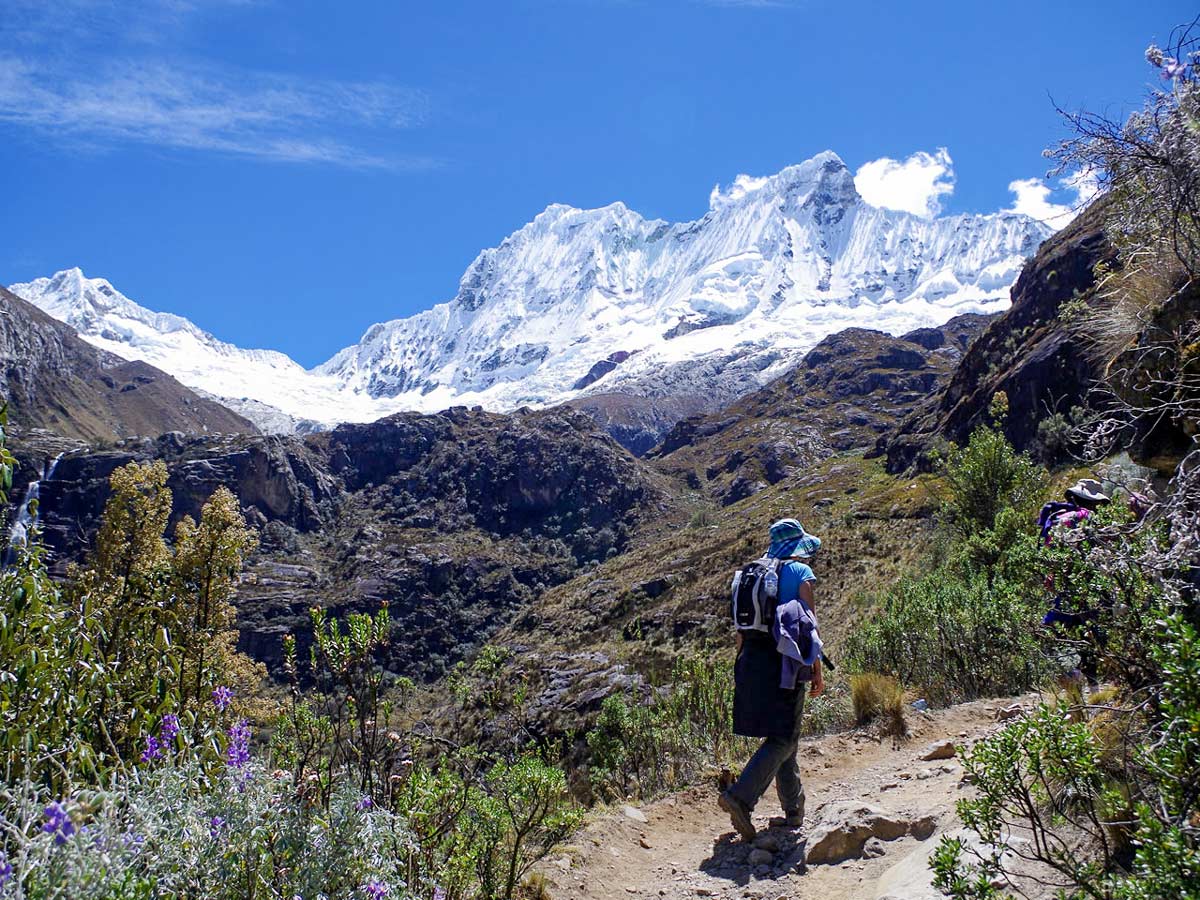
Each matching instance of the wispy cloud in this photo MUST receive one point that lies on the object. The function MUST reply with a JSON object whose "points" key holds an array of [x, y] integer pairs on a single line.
{"points": [[132, 95], [914, 185]]}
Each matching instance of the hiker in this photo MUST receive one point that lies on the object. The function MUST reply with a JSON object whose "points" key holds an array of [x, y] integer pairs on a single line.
{"points": [[778, 651], [1080, 625]]}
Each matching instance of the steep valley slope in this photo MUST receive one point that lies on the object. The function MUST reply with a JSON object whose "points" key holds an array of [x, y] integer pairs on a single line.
{"points": [[457, 520], [54, 380]]}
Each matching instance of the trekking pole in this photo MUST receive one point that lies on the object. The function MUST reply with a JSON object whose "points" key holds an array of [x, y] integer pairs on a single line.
{"points": [[827, 662]]}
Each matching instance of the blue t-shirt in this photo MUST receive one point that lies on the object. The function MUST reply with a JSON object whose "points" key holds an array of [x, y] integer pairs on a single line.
{"points": [[792, 574]]}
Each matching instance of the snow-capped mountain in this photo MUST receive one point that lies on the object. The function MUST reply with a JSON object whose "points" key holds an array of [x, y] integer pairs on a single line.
{"points": [[267, 387], [604, 300], [777, 264]]}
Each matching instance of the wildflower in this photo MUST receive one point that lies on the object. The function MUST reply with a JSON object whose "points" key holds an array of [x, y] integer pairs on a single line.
{"points": [[6, 869], [153, 749], [376, 889], [133, 841], [438, 893], [58, 823], [1154, 56], [222, 697], [237, 754], [169, 728], [365, 803], [215, 825]]}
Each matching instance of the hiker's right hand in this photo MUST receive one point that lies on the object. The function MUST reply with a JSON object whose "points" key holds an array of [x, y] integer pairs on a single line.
{"points": [[818, 685]]}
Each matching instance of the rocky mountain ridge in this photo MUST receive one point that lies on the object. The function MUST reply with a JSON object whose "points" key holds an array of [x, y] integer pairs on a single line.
{"points": [[580, 304], [846, 394], [53, 380], [456, 519]]}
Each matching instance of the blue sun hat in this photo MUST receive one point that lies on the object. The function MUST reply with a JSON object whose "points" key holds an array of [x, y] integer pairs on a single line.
{"points": [[788, 538]]}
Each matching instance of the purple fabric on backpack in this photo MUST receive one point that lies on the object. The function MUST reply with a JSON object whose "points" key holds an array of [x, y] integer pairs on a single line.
{"points": [[1060, 512], [788, 632]]}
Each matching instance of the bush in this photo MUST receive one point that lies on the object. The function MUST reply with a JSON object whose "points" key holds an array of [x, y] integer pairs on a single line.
{"points": [[642, 746], [178, 831], [987, 477], [1130, 803], [143, 631], [953, 638]]}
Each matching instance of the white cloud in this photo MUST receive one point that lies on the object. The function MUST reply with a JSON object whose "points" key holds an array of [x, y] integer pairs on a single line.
{"points": [[742, 185], [915, 185], [1033, 198]]}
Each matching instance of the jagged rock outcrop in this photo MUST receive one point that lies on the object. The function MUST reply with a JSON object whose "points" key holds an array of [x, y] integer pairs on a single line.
{"points": [[456, 520], [851, 388]]}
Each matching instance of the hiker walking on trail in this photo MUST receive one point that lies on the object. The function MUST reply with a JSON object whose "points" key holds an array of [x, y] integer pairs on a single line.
{"points": [[778, 652]]}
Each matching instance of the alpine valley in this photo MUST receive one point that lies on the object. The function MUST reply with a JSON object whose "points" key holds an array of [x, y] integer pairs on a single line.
{"points": [[638, 322]]}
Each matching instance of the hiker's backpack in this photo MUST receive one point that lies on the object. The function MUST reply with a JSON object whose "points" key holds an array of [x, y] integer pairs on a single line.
{"points": [[1060, 514], [755, 594]]}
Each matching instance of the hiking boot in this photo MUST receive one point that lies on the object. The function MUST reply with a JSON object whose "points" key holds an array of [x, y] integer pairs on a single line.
{"points": [[792, 819], [739, 815]]}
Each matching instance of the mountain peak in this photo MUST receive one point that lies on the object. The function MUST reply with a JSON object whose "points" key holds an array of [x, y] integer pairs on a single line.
{"points": [[824, 172], [604, 300]]}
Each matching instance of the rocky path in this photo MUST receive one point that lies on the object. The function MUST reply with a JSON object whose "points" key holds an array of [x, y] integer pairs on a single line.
{"points": [[875, 812]]}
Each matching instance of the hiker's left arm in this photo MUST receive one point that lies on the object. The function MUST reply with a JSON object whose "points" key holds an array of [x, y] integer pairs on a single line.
{"points": [[806, 594]]}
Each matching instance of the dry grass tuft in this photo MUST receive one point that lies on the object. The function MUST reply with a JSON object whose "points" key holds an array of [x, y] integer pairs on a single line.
{"points": [[536, 887], [878, 697]]}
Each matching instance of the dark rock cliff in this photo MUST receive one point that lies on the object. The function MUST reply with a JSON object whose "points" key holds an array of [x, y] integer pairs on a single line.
{"points": [[1027, 352], [456, 520]]}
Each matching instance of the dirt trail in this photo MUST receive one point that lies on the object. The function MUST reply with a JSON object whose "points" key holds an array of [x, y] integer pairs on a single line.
{"points": [[685, 847]]}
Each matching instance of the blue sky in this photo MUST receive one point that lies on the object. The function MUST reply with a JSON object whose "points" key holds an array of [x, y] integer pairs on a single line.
{"points": [[286, 173]]}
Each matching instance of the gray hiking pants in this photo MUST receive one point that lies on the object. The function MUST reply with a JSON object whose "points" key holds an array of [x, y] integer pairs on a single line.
{"points": [[775, 759]]}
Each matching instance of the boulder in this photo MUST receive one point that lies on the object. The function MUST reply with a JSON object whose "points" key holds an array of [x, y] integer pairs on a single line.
{"points": [[939, 750], [845, 827]]}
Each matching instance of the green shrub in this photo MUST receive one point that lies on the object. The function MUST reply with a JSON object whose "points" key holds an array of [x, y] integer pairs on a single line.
{"points": [[986, 477], [143, 631], [641, 746], [953, 638], [178, 831]]}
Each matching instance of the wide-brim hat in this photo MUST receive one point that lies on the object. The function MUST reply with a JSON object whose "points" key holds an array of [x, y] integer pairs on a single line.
{"points": [[788, 538], [1088, 490]]}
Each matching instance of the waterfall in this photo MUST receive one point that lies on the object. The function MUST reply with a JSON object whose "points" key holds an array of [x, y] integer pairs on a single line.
{"points": [[25, 515]]}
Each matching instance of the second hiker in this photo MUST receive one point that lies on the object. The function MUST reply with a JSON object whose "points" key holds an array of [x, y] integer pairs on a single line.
{"points": [[779, 651]]}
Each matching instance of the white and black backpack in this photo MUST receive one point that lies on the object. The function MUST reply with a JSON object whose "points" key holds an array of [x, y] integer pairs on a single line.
{"points": [[755, 594]]}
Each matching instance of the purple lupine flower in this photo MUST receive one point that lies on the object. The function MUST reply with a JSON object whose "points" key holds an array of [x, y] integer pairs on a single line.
{"points": [[132, 840], [438, 893], [153, 749], [376, 889], [237, 754], [222, 697], [6, 869], [365, 803], [215, 825], [58, 823], [1154, 56], [169, 728]]}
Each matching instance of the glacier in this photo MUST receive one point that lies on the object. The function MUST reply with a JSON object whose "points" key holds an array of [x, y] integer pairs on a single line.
{"points": [[604, 301]]}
